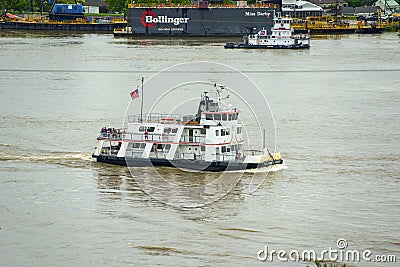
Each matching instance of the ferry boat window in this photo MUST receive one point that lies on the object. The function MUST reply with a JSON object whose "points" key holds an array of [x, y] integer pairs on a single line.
{"points": [[142, 145], [175, 130], [166, 147], [228, 149], [222, 132], [240, 146], [203, 131], [209, 116], [142, 129], [203, 148], [150, 129], [224, 117], [239, 130], [217, 117], [167, 130], [233, 148], [223, 149], [229, 117], [136, 145], [227, 132], [216, 132], [217, 150]]}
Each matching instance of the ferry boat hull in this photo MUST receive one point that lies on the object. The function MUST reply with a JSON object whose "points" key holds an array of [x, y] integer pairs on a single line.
{"points": [[197, 165]]}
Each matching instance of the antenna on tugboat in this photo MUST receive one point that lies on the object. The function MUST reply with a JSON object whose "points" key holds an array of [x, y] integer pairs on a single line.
{"points": [[141, 104]]}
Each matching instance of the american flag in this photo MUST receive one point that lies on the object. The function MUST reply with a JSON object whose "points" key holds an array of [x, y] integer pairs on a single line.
{"points": [[134, 94]]}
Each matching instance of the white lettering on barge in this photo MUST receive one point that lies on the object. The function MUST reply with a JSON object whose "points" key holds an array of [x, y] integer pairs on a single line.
{"points": [[166, 19]]}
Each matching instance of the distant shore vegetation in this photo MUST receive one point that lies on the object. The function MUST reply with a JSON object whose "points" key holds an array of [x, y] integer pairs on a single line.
{"points": [[120, 6]]}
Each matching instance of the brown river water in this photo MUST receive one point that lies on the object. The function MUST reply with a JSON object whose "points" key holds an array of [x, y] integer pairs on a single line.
{"points": [[336, 108]]}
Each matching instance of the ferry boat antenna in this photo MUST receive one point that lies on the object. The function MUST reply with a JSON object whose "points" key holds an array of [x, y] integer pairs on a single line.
{"points": [[141, 104]]}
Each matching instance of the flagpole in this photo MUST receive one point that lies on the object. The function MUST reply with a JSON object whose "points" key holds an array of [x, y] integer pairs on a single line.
{"points": [[141, 105]]}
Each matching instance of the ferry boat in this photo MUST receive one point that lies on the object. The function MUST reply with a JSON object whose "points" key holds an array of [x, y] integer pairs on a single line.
{"points": [[211, 140], [281, 36]]}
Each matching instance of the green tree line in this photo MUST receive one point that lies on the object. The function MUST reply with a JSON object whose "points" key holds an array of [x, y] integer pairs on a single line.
{"points": [[121, 5]]}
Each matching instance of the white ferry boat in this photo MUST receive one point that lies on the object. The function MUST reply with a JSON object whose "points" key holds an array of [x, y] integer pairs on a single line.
{"points": [[211, 140], [282, 35]]}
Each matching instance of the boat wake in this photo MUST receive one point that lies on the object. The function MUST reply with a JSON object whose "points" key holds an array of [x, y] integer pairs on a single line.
{"points": [[72, 159], [273, 168]]}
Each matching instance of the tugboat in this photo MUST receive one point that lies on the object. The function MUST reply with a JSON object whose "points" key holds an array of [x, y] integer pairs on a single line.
{"points": [[281, 36], [211, 140]]}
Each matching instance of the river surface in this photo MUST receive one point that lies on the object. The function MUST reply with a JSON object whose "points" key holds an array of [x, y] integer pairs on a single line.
{"points": [[336, 108]]}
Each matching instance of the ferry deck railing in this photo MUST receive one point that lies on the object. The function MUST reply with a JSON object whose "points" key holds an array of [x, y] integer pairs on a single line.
{"points": [[160, 118], [151, 137]]}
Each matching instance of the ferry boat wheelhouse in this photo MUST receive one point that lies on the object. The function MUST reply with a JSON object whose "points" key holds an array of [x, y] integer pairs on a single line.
{"points": [[282, 35], [211, 140]]}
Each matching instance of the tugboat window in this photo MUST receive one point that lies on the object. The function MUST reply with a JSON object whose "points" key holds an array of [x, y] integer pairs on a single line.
{"points": [[203, 148], [224, 117], [150, 129], [143, 145], [209, 116], [223, 149], [175, 130], [142, 129], [217, 132], [167, 130], [230, 117], [223, 132], [217, 117], [203, 131]]}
